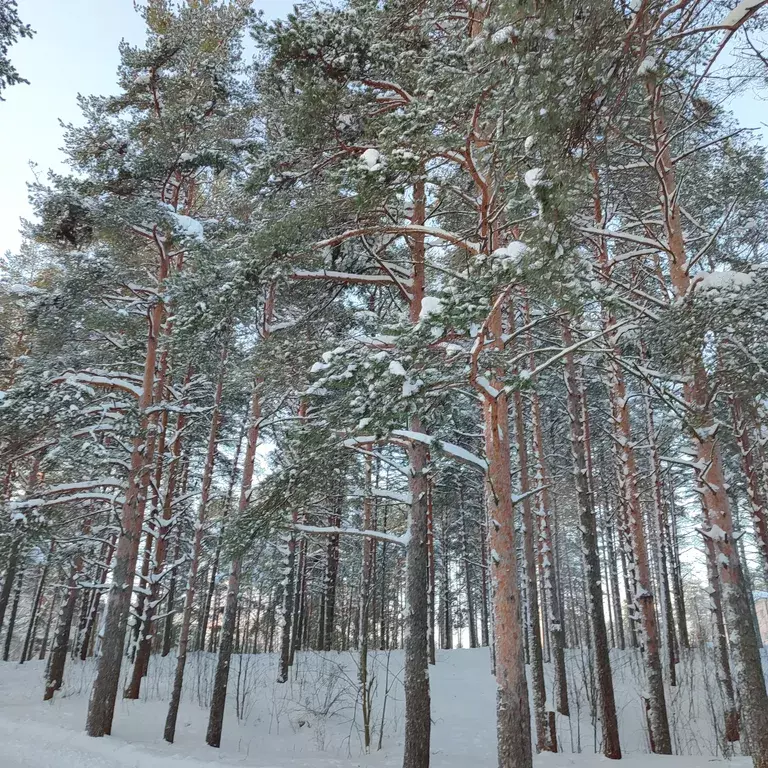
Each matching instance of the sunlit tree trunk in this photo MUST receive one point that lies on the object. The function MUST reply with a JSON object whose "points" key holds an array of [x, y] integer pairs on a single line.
{"points": [[101, 705], [719, 528], [512, 707], [141, 661]]}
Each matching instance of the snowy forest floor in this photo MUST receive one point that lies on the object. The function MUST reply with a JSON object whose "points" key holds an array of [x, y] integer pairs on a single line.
{"points": [[315, 721]]}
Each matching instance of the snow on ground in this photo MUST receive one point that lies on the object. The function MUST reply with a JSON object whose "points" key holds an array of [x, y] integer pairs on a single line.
{"points": [[314, 721]]}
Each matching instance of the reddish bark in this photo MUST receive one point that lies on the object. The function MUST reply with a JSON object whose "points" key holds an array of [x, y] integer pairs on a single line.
{"points": [[757, 506], [197, 545], [719, 528], [218, 698], [104, 694], [141, 661], [512, 708]]}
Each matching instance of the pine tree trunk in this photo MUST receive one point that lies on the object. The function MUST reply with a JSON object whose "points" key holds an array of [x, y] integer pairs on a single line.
{"points": [[383, 595], [513, 726], [587, 527], [189, 597], [641, 596], [730, 711], [14, 613], [48, 622], [94, 608], [29, 640], [55, 673], [754, 491], [366, 576], [289, 573], [662, 532], [212, 571], [543, 743], [613, 574], [677, 577], [445, 601], [141, 662], [299, 602], [331, 579], [485, 635], [512, 708], [418, 720], [219, 696], [144, 608], [10, 577], [431, 575], [416, 683], [467, 575], [101, 705], [549, 563], [170, 600], [709, 471]]}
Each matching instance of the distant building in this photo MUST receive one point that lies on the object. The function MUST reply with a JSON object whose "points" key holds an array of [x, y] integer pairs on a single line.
{"points": [[761, 609]]}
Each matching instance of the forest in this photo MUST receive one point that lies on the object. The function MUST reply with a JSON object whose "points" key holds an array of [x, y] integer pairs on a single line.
{"points": [[356, 340]]}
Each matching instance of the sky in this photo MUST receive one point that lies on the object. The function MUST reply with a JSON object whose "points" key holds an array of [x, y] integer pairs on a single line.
{"points": [[75, 51]]}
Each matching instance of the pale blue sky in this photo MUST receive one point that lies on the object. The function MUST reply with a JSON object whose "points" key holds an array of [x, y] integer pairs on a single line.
{"points": [[75, 51]]}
